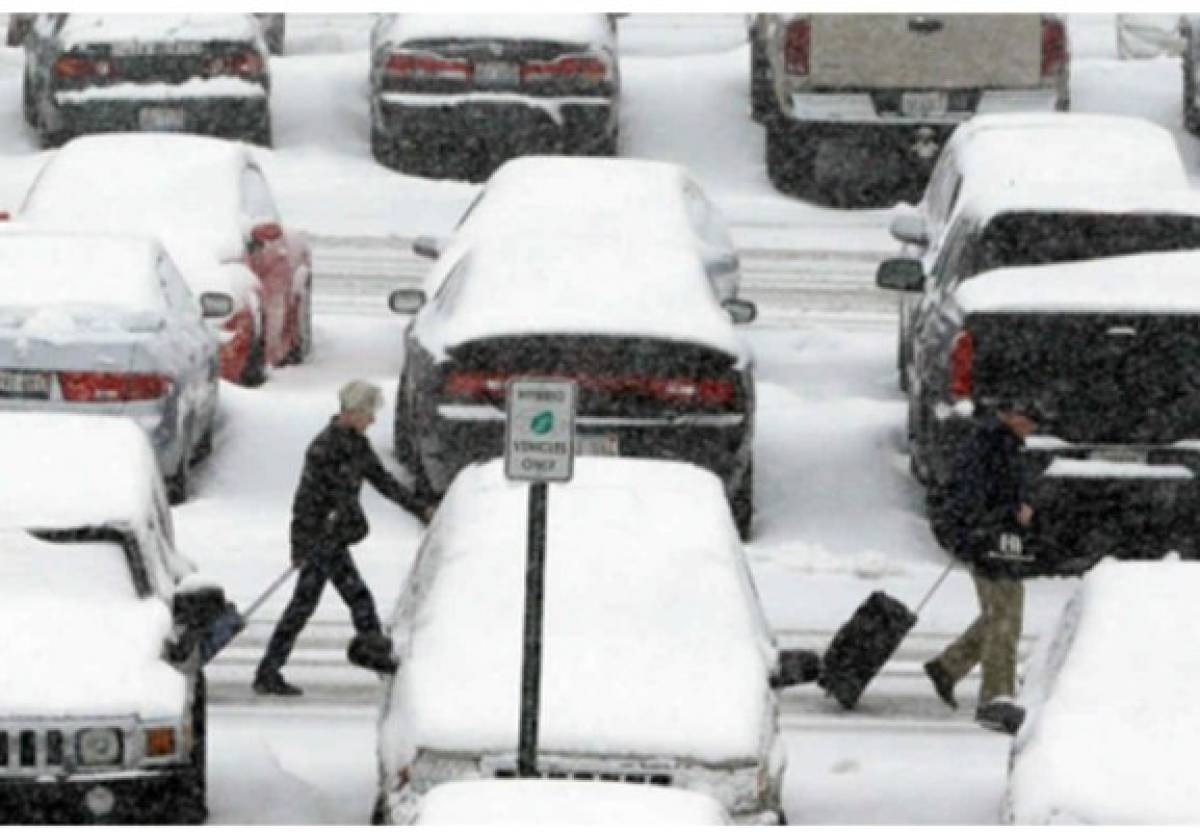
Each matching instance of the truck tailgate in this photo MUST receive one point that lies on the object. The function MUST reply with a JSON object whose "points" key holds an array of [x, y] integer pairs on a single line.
{"points": [[931, 51]]}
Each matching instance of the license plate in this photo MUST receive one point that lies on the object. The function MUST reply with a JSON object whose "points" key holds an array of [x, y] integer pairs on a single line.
{"points": [[161, 118], [25, 385], [597, 445], [497, 73], [923, 104], [1119, 455]]}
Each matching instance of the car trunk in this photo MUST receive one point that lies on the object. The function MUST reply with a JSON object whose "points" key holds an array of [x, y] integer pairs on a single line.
{"points": [[926, 51], [1099, 378], [630, 377], [496, 66]]}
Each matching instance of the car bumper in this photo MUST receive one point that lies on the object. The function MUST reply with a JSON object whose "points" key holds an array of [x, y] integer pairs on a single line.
{"points": [[127, 797], [502, 124], [464, 434], [231, 117]]}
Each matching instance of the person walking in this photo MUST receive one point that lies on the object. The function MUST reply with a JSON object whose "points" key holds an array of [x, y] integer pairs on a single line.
{"points": [[981, 517], [327, 518]]}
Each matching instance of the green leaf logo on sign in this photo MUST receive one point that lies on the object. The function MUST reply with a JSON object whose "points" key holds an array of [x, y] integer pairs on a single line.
{"points": [[542, 423]]}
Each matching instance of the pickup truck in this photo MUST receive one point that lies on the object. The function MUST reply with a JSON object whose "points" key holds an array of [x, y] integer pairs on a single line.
{"points": [[860, 104]]}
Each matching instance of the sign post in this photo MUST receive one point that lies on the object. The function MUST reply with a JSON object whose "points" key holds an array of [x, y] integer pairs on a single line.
{"points": [[539, 441]]}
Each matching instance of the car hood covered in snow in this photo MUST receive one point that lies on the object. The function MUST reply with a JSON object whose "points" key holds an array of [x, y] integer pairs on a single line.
{"points": [[654, 643]]}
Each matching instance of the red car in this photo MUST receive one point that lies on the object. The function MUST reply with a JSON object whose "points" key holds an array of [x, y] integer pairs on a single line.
{"points": [[210, 204]]}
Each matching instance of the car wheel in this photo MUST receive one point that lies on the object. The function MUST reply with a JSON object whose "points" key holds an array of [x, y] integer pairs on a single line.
{"points": [[303, 344], [179, 483], [378, 816], [255, 371], [901, 361], [191, 804], [742, 503], [204, 445], [917, 462], [790, 159], [28, 105]]}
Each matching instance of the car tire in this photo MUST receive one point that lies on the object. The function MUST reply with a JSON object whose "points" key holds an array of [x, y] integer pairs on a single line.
{"points": [[303, 345], [791, 157], [28, 104], [901, 361], [254, 374], [204, 445], [191, 803], [741, 503], [917, 461], [378, 816]]}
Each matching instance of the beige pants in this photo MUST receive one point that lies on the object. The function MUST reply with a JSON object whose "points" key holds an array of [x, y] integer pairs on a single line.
{"points": [[991, 639]]}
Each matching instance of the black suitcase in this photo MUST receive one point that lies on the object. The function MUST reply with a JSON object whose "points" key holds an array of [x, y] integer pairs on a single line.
{"points": [[862, 646]]}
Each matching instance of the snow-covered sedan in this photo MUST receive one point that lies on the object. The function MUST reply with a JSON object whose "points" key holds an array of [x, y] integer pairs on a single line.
{"points": [[102, 705], [212, 207], [618, 199], [102, 324], [657, 665], [456, 95], [661, 370], [1113, 719], [194, 73]]}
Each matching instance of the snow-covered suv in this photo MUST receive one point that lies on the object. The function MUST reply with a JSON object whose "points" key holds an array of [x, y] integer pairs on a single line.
{"points": [[102, 707]]}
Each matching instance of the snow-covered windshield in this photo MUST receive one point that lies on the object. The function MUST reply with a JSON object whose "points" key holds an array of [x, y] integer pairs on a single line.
{"points": [[55, 567]]}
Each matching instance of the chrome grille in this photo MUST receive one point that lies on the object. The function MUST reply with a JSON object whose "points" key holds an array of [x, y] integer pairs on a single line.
{"points": [[639, 777], [36, 749]]}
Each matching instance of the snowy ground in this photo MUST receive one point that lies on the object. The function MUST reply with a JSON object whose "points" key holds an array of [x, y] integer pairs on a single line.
{"points": [[838, 515]]}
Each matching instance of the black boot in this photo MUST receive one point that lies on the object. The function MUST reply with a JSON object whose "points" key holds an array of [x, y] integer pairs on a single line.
{"points": [[943, 683], [1000, 714], [272, 683]]}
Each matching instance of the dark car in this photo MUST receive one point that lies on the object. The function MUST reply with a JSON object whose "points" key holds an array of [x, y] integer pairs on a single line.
{"points": [[94, 73], [1106, 361], [455, 95], [660, 370]]}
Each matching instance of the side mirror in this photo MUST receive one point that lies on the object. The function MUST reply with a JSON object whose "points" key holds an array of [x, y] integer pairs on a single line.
{"points": [[266, 232], [216, 305], [428, 247], [796, 667], [740, 311], [900, 274], [909, 228], [406, 301]]}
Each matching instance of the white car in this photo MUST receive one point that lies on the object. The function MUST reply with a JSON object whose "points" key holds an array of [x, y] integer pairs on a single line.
{"points": [[658, 667], [1113, 720], [561, 802], [618, 200], [102, 708], [994, 155], [104, 324]]}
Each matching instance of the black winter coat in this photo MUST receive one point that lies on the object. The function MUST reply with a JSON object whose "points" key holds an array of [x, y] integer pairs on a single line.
{"points": [[980, 500], [326, 513]]}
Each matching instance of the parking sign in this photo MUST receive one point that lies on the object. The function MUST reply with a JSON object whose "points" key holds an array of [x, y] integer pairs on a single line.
{"points": [[539, 441]]}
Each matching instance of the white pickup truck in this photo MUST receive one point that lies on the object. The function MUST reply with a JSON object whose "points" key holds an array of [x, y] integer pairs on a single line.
{"points": [[857, 104]]}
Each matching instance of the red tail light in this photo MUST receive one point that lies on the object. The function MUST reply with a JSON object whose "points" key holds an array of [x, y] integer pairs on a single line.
{"points": [[112, 387], [962, 360], [1054, 46], [421, 65], [73, 66], [587, 67], [239, 63], [472, 384], [797, 46]]}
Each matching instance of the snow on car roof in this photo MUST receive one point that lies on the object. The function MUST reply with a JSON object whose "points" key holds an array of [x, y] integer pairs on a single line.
{"points": [[67, 471], [493, 802], [161, 185], [1114, 720], [575, 285], [110, 28], [40, 269], [1163, 282], [1085, 197], [562, 28], [87, 645], [653, 641]]}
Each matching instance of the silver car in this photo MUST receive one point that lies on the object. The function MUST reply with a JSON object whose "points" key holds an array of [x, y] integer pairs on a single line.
{"points": [[105, 324]]}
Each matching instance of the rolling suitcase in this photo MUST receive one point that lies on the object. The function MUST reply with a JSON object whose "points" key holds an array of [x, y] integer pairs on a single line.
{"points": [[863, 644], [230, 623]]}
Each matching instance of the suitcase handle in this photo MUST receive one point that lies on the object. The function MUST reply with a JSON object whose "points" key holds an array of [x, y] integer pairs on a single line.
{"points": [[258, 602], [935, 586]]}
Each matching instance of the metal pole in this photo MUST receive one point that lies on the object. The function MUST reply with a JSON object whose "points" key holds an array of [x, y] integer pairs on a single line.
{"points": [[531, 660]]}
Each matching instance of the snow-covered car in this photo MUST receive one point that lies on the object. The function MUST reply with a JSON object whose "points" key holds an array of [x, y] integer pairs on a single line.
{"points": [[658, 668], [1111, 700], [103, 324], [661, 370], [102, 701], [195, 73], [456, 95], [558, 802], [208, 201], [617, 199], [992, 154]]}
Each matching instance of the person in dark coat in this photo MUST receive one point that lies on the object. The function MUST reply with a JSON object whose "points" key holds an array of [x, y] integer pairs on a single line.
{"points": [[982, 516], [327, 518]]}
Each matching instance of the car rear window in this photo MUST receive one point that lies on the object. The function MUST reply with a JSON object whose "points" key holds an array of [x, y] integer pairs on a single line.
{"points": [[1028, 239]]}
